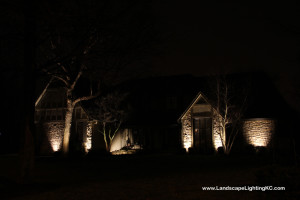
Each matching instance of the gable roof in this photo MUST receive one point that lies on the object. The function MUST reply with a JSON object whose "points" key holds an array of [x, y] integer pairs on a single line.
{"points": [[43, 92], [263, 99], [195, 100]]}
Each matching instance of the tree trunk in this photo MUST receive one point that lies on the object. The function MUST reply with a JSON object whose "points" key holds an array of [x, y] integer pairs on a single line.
{"points": [[67, 131], [108, 145], [223, 139], [107, 142]]}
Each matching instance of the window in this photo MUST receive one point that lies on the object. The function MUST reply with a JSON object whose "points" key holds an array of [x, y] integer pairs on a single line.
{"points": [[59, 114], [83, 115], [42, 115], [59, 104], [63, 113], [77, 113], [48, 114], [53, 116]]}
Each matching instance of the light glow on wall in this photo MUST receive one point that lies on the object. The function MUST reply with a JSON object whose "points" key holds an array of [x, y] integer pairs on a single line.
{"points": [[120, 139], [217, 142], [187, 135], [55, 145], [187, 143], [88, 139], [55, 134], [258, 132]]}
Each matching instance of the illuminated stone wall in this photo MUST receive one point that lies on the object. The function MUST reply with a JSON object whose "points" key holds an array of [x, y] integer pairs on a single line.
{"points": [[187, 135], [54, 131], [258, 132], [187, 132], [217, 142], [87, 142]]}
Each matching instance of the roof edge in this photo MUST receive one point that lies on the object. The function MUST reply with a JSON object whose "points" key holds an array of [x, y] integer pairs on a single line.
{"points": [[198, 96]]}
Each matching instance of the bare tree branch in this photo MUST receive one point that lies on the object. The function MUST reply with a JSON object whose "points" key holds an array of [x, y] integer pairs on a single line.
{"points": [[77, 77], [229, 111], [85, 98], [57, 77], [44, 91]]}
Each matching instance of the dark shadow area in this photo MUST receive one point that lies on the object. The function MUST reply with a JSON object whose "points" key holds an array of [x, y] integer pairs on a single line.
{"points": [[154, 176]]}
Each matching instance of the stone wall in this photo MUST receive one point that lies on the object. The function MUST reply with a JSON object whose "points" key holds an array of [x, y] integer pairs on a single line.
{"points": [[187, 134], [54, 131], [258, 132], [87, 138], [217, 142]]}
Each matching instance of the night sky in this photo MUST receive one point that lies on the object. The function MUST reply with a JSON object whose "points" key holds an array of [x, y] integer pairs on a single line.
{"points": [[199, 39], [239, 37], [210, 38]]}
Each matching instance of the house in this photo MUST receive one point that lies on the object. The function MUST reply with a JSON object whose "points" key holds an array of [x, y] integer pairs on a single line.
{"points": [[198, 130], [155, 103], [201, 129], [49, 120], [266, 120], [153, 106]]}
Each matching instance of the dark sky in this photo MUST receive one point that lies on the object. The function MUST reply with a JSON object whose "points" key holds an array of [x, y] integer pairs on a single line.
{"points": [[208, 38]]}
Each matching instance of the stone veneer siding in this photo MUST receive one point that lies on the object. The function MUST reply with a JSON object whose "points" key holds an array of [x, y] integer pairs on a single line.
{"points": [[54, 131], [87, 142], [217, 142], [258, 132], [187, 132], [187, 135]]}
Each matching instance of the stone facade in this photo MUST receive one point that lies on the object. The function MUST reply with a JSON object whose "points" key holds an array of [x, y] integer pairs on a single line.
{"points": [[217, 142], [258, 132], [50, 113], [200, 110], [55, 132], [187, 135], [87, 141]]}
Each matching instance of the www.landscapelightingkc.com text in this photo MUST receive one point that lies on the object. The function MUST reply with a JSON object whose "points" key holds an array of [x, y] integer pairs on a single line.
{"points": [[243, 188]]}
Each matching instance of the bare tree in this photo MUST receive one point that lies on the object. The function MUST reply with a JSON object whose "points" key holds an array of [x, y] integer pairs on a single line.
{"points": [[111, 115], [229, 104], [69, 70], [95, 40]]}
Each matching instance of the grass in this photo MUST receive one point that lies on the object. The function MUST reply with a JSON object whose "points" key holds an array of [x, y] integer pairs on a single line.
{"points": [[136, 177]]}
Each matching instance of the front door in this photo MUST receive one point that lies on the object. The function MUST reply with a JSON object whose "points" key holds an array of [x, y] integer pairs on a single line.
{"points": [[202, 128]]}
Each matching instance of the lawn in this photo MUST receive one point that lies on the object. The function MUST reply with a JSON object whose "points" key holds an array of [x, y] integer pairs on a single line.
{"points": [[145, 177]]}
